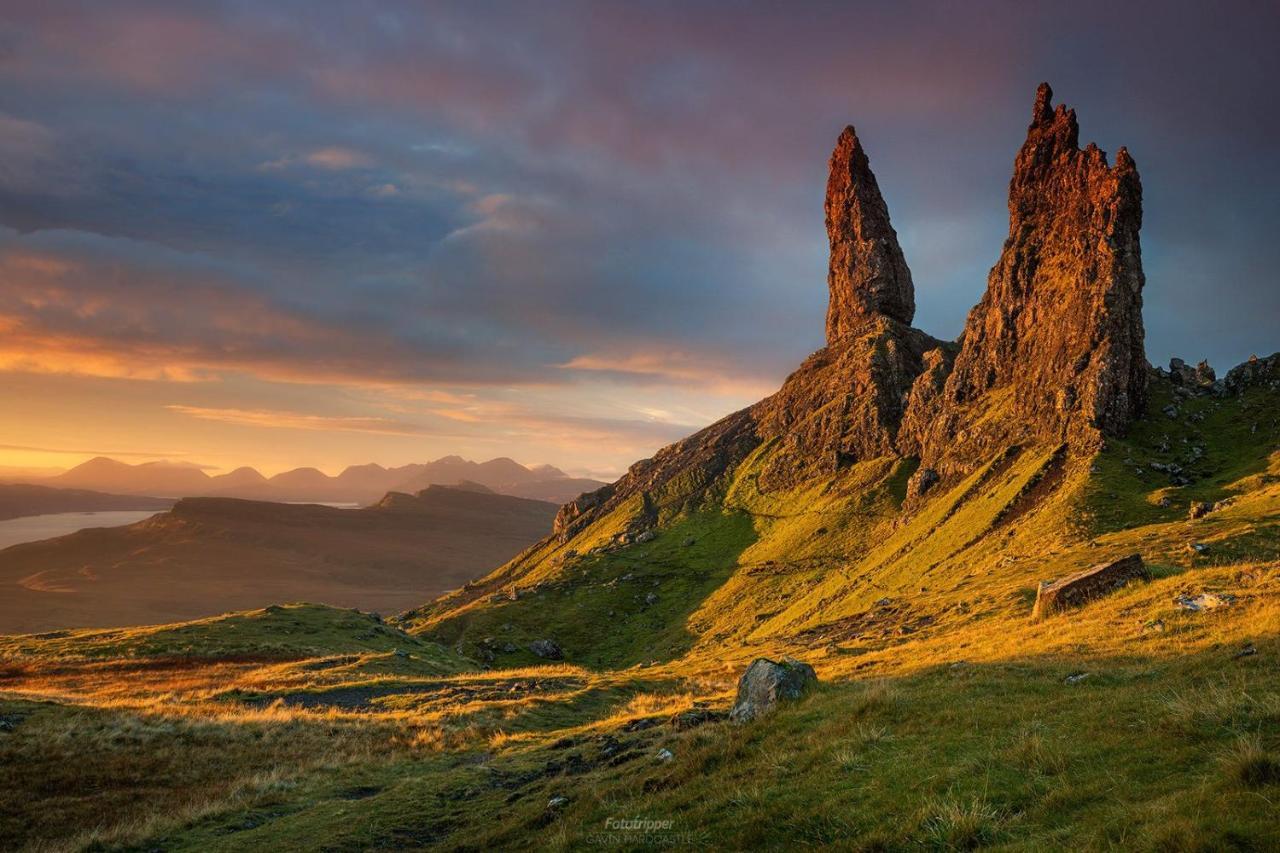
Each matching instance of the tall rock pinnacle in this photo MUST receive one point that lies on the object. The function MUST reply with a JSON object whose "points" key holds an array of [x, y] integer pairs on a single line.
{"points": [[1052, 355], [1056, 344], [868, 277]]}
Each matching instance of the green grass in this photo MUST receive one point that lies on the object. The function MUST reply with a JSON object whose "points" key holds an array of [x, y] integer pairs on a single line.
{"points": [[643, 594]]}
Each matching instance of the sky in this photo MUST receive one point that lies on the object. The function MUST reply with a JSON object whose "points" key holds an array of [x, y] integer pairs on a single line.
{"points": [[308, 233]]}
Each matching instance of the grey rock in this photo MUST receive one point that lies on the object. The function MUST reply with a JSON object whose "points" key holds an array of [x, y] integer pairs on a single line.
{"points": [[766, 683], [1204, 601], [1247, 651], [548, 649]]}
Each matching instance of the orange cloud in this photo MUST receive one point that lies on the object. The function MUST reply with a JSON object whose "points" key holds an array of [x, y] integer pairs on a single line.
{"points": [[298, 420], [336, 157], [673, 367]]}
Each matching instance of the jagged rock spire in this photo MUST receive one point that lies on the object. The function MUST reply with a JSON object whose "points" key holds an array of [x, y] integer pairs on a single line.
{"points": [[868, 276], [1060, 325]]}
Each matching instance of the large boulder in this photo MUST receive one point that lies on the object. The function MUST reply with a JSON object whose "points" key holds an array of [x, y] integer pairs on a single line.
{"points": [[766, 683], [1084, 586]]}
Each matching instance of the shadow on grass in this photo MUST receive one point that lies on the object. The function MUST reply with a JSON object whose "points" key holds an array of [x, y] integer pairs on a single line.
{"points": [[615, 609]]}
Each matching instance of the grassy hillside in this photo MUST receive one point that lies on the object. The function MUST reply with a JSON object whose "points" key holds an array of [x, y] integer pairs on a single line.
{"points": [[946, 718]]}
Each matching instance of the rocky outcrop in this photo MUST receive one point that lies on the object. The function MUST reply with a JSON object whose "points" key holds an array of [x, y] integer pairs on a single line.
{"points": [[1052, 353], [867, 274], [844, 405], [924, 401], [1082, 587], [1054, 350], [1256, 372], [766, 683]]}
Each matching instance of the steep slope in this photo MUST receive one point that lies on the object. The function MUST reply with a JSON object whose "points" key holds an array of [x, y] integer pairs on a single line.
{"points": [[889, 460], [210, 555]]}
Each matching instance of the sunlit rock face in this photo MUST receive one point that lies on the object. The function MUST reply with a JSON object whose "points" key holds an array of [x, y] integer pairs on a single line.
{"points": [[1057, 341], [867, 275]]}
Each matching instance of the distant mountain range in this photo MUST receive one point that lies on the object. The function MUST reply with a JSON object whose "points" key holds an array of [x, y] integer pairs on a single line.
{"points": [[358, 483], [209, 555]]}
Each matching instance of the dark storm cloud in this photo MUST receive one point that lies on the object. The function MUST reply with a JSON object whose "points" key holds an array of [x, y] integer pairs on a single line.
{"points": [[491, 192]]}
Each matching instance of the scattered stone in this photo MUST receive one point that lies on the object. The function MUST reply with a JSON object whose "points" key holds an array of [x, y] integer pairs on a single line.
{"points": [[548, 649], [646, 536], [557, 802], [766, 683], [1197, 547], [509, 648], [664, 755], [1199, 509], [609, 746], [695, 717], [922, 481], [1248, 650], [1076, 678], [1204, 601], [689, 541], [1081, 587], [1171, 411], [400, 653], [640, 724], [651, 598]]}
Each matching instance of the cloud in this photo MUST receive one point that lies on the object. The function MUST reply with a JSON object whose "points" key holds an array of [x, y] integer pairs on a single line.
{"points": [[409, 196], [127, 454], [298, 420], [668, 366], [332, 158], [78, 304], [336, 157]]}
